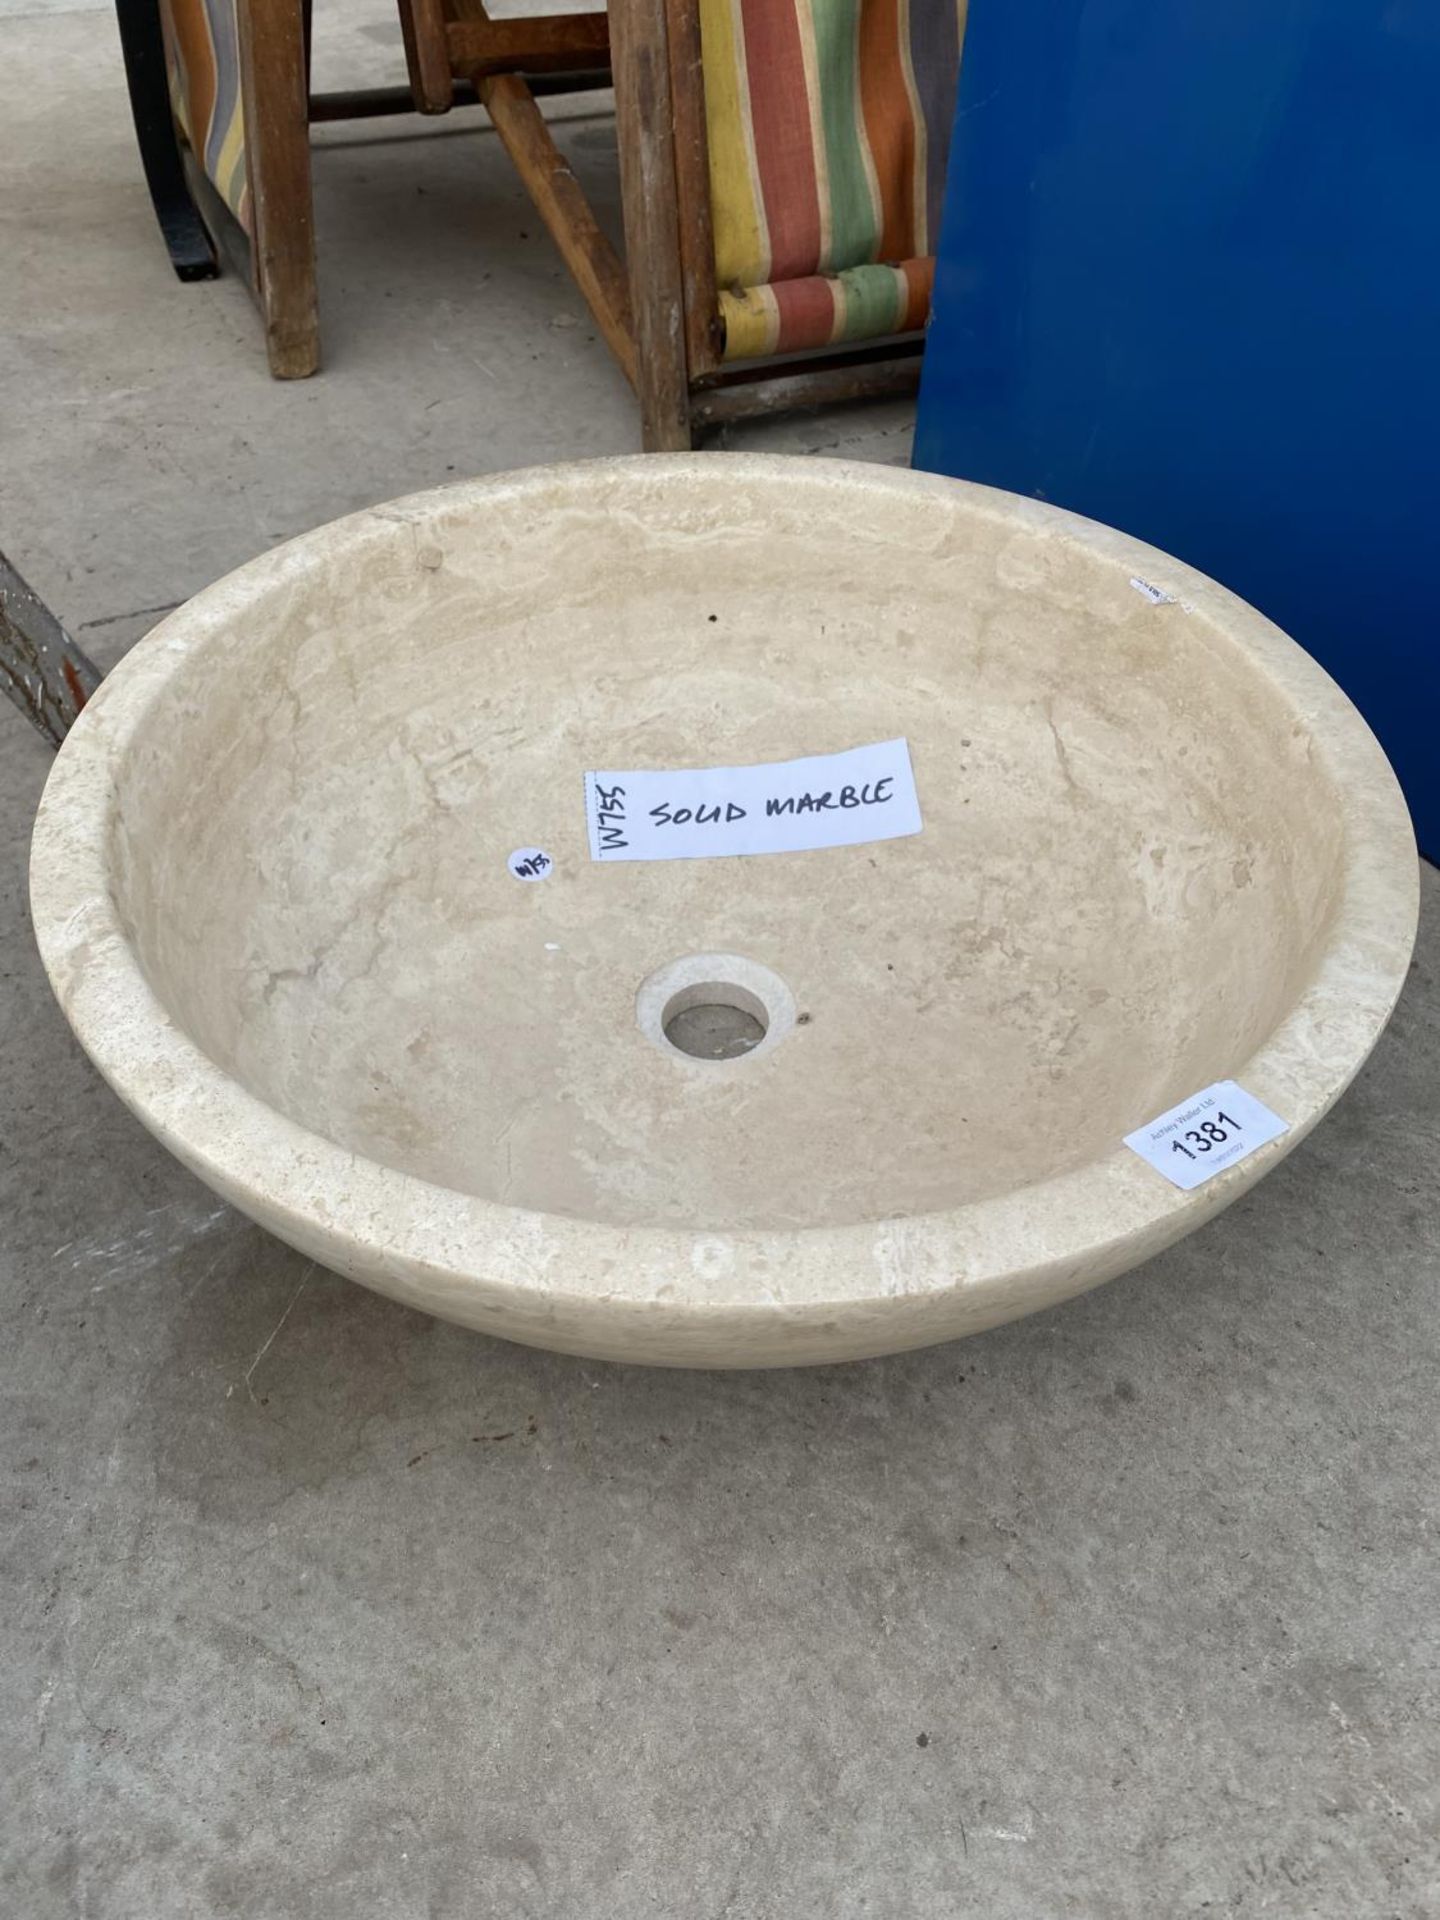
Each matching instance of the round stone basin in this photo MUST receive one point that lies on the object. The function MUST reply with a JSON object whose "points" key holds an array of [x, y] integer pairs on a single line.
{"points": [[748, 1110]]}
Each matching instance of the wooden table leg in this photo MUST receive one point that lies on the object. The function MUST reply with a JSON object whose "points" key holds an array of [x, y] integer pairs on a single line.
{"points": [[640, 64]]}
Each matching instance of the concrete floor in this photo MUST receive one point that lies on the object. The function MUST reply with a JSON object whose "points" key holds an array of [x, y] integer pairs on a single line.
{"points": [[314, 1607]]}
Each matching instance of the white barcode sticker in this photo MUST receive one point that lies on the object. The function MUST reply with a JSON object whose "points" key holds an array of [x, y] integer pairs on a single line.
{"points": [[1206, 1134], [789, 806]]}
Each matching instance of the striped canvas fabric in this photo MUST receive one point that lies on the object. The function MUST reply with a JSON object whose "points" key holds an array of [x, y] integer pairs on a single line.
{"points": [[829, 127], [202, 56]]}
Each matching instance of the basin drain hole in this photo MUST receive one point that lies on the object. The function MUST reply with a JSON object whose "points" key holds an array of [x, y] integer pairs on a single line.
{"points": [[715, 1020], [720, 1010]]}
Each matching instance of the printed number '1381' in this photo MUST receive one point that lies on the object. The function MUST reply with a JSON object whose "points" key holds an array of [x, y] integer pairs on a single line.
{"points": [[1207, 1136]]}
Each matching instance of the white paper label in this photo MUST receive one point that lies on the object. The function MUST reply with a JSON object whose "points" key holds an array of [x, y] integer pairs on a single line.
{"points": [[1157, 596], [530, 863], [1206, 1134], [789, 806]]}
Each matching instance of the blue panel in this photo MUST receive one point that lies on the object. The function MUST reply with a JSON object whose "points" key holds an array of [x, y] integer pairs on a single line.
{"points": [[1189, 283]]}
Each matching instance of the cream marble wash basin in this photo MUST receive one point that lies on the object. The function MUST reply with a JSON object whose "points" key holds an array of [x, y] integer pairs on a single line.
{"points": [[273, 885]]}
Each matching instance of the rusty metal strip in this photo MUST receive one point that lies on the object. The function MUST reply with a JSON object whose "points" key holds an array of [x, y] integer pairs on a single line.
{"points": [[41, 668]]}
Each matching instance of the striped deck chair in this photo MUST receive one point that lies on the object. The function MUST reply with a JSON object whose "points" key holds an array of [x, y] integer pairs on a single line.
{"points": [[781, 168], [202, 69], [828, 123], [808, 141], [218, 91]]}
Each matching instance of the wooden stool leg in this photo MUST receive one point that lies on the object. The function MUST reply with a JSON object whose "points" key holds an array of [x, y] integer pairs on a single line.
{"points": [[640, 64], [277, 156]]}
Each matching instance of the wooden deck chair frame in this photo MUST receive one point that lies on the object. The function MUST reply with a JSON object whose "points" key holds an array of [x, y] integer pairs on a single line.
{"points": [[277, 261], [685, 385], [659, 312]]}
